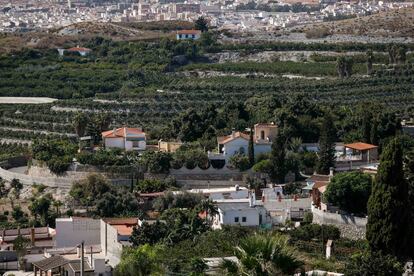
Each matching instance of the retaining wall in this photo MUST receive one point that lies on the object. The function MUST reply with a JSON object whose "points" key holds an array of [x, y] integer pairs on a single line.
{"points": [[53, 181], [351, 227]]}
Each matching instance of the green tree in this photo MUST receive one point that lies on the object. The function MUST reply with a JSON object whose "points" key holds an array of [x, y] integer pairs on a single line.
{"points": [[240, 162], [278, 158], [149, 233], [350, 191], [156, 162], [370, 264], [17, 186], [79, 122], [20, 245], [388, 227], [341, 66], [40, 208], [208, 206], [265, 255], [141, 261], [201, 24], [326, 146], [86, 191], [251, 148]]}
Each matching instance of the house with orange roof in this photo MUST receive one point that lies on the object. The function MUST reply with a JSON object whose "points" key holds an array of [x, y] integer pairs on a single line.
{"points": [[115, 234], [80, 50], [362, 151], [188, 34], [125, 138], [238, 142]]}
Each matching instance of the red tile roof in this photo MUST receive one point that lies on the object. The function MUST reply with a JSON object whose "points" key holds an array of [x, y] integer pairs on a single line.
{"points": [[188, 32], [231, 137], [121, 132], [79, 49], [360, 146]]}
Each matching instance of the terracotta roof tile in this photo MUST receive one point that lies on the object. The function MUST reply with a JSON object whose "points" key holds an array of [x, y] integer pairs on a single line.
{"points": [[79, 49], [121, 132], [360, 146], [228, 138]]}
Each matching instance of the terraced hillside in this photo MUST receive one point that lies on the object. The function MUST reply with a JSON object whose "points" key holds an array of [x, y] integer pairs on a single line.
{"points": [[139, 84]]}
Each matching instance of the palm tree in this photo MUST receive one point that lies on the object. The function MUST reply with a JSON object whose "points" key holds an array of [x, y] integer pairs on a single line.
{"points": [[263, 254], [80, 121], [57, 204], [208, 206]]}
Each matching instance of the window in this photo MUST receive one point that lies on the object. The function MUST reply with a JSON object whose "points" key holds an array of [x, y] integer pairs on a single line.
{"points": [[236, 219], [193, 36], [244, 219], [262, 135], [186, 36], [180, 36], [135, 144]]}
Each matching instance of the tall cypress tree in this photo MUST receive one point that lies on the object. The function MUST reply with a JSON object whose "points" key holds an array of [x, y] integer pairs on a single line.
{"points": [[409, 174], [388, 228], [326, 146], [251, 148], [278, 158]]}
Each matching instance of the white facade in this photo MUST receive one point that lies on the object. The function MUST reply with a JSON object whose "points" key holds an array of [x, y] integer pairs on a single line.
{"points": [[241, 146], [188, 36], [72, 231], [113, 240], [236, 146], [240, 214], [125, 138], [243, 212], [124, 143]]}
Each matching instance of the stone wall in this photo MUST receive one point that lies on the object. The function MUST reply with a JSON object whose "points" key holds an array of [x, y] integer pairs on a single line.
{"points": [[40, 176], [351, 227]]}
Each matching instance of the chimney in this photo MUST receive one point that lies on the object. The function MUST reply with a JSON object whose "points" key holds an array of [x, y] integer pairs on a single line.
{"points": [[32, 235], [331, 172], [92, 265], [233, 133], [252, 199]]}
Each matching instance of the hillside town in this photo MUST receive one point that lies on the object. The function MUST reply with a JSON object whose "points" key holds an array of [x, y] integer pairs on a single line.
{"points": [[206, 138], [229, 15]]}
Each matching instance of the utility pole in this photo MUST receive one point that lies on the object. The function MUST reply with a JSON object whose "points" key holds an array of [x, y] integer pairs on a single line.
{"points": [[82, 265]]}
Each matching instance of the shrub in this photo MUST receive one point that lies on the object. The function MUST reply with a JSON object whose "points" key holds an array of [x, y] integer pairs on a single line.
{"points": [[264, 166], [240, 162], [317, 33], [316, 231]]}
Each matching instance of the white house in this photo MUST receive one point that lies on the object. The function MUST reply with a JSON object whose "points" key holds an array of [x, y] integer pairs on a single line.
{"points": [[188, 34], [72, 231], [115, 234], [243, 212], [80, 50], [125, 138], [238, 142]]}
